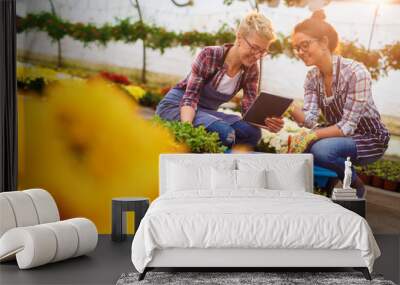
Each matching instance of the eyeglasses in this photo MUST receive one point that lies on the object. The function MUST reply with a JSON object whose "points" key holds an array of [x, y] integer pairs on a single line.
{"points": [[303, 46], [256, 50]]}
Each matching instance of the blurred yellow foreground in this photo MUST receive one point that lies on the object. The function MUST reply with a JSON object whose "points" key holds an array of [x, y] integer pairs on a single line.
{"points": [[84, 142]]}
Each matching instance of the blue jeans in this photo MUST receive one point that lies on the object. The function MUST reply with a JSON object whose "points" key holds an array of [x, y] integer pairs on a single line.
{"points": [[331, 153], [240, 132]]}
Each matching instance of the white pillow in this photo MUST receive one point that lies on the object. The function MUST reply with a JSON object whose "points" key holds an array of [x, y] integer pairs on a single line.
{"points": [[282, 174], [294, 179], [251, 178], [206, 160], [189, 174], [223, 179], [181, 177]]}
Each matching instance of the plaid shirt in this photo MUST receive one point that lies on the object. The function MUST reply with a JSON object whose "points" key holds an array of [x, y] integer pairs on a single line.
{"points": [[354, 90], [350, 107], [209, 65]]}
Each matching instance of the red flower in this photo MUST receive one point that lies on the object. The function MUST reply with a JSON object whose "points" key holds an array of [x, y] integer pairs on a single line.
{"points": [[289, 143], [165, 90], [114, 77]]}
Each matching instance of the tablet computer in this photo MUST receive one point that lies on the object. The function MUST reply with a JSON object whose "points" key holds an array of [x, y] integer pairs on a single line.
{"points": [[266, 105]]}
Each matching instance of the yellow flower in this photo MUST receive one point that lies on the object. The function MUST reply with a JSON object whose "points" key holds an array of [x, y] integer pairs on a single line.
{"points": [[75, 72], [136, 91], [20, 71], [86, 143], [29, 73]]}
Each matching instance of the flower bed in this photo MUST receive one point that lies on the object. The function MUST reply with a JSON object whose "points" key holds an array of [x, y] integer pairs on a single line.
{"points": [[35, 78]]}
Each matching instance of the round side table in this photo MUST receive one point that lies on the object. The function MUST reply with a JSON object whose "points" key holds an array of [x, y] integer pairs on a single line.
{"points": [[120, 206]]}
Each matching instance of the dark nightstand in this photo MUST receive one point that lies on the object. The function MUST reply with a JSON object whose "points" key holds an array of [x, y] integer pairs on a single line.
{"points": [[355, 205], [121, 205]]}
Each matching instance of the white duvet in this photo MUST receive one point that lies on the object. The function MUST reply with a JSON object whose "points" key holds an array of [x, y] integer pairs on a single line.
{"points": [[250, 219]]}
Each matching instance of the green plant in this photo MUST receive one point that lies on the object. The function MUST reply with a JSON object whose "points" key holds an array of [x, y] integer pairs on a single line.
{"points": [[364, 169], [265, 147], [394, 177], [383, 168], [36, 84], [379, 172], [196, 138], [320, 191], [150, 99], [378, 62]]}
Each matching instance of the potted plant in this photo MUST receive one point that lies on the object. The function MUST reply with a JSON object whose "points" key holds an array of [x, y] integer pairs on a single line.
{"points": [[377, 178], [390, 183], [364, 174]]}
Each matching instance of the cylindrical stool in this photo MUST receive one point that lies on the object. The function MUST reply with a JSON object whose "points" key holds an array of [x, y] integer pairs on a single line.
{"points": [[125, 204]]}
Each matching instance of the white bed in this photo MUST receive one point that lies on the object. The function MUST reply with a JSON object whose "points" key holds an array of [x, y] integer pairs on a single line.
{"points": [[249, 227]]}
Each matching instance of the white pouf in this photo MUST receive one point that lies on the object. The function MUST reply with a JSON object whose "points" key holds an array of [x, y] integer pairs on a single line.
{"points": [[31, 232]]}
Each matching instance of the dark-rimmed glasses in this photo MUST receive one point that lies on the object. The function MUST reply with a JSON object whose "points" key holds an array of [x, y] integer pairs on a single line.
{"points": [[303, 46], [256, 50]]}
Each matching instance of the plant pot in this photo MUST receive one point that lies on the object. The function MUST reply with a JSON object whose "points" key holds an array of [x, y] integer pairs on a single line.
{"points": [[376, 181], [366, 179], [390, 185]]}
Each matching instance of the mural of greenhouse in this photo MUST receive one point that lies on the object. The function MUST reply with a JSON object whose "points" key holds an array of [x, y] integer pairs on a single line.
{"points": [[92, 72]]}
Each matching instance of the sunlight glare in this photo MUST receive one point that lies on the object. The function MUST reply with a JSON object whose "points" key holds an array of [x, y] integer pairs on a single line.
{"points": [[377, 1]]}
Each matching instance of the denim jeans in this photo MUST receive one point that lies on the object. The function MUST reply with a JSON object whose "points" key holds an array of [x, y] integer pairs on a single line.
{"points": [[240, 132], [331, 153]]}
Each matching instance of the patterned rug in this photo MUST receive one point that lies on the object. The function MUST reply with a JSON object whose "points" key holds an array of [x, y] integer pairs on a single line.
{"points": [[243, 278]]}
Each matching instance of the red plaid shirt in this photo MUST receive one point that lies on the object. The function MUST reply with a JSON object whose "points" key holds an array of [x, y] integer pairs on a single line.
{"points": [[209, 65]]}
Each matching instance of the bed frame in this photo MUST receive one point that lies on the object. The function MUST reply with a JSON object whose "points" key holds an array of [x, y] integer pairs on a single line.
{"points": [[240, 259]]}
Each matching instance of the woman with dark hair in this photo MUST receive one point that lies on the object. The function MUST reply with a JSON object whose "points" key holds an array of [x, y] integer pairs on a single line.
{"points": [[341, 89], [217, 74]]}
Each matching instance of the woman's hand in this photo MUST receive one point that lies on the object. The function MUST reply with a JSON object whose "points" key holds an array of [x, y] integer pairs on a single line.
{"points": [[296, 113], [187, 114], [274, 124]]}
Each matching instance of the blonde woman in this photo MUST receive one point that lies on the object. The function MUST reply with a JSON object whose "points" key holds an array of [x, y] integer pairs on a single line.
{"points": [[217, 74]]}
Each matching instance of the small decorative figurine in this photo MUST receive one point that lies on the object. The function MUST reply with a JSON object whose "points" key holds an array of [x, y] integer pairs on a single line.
{"points": [[347, 174]]}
